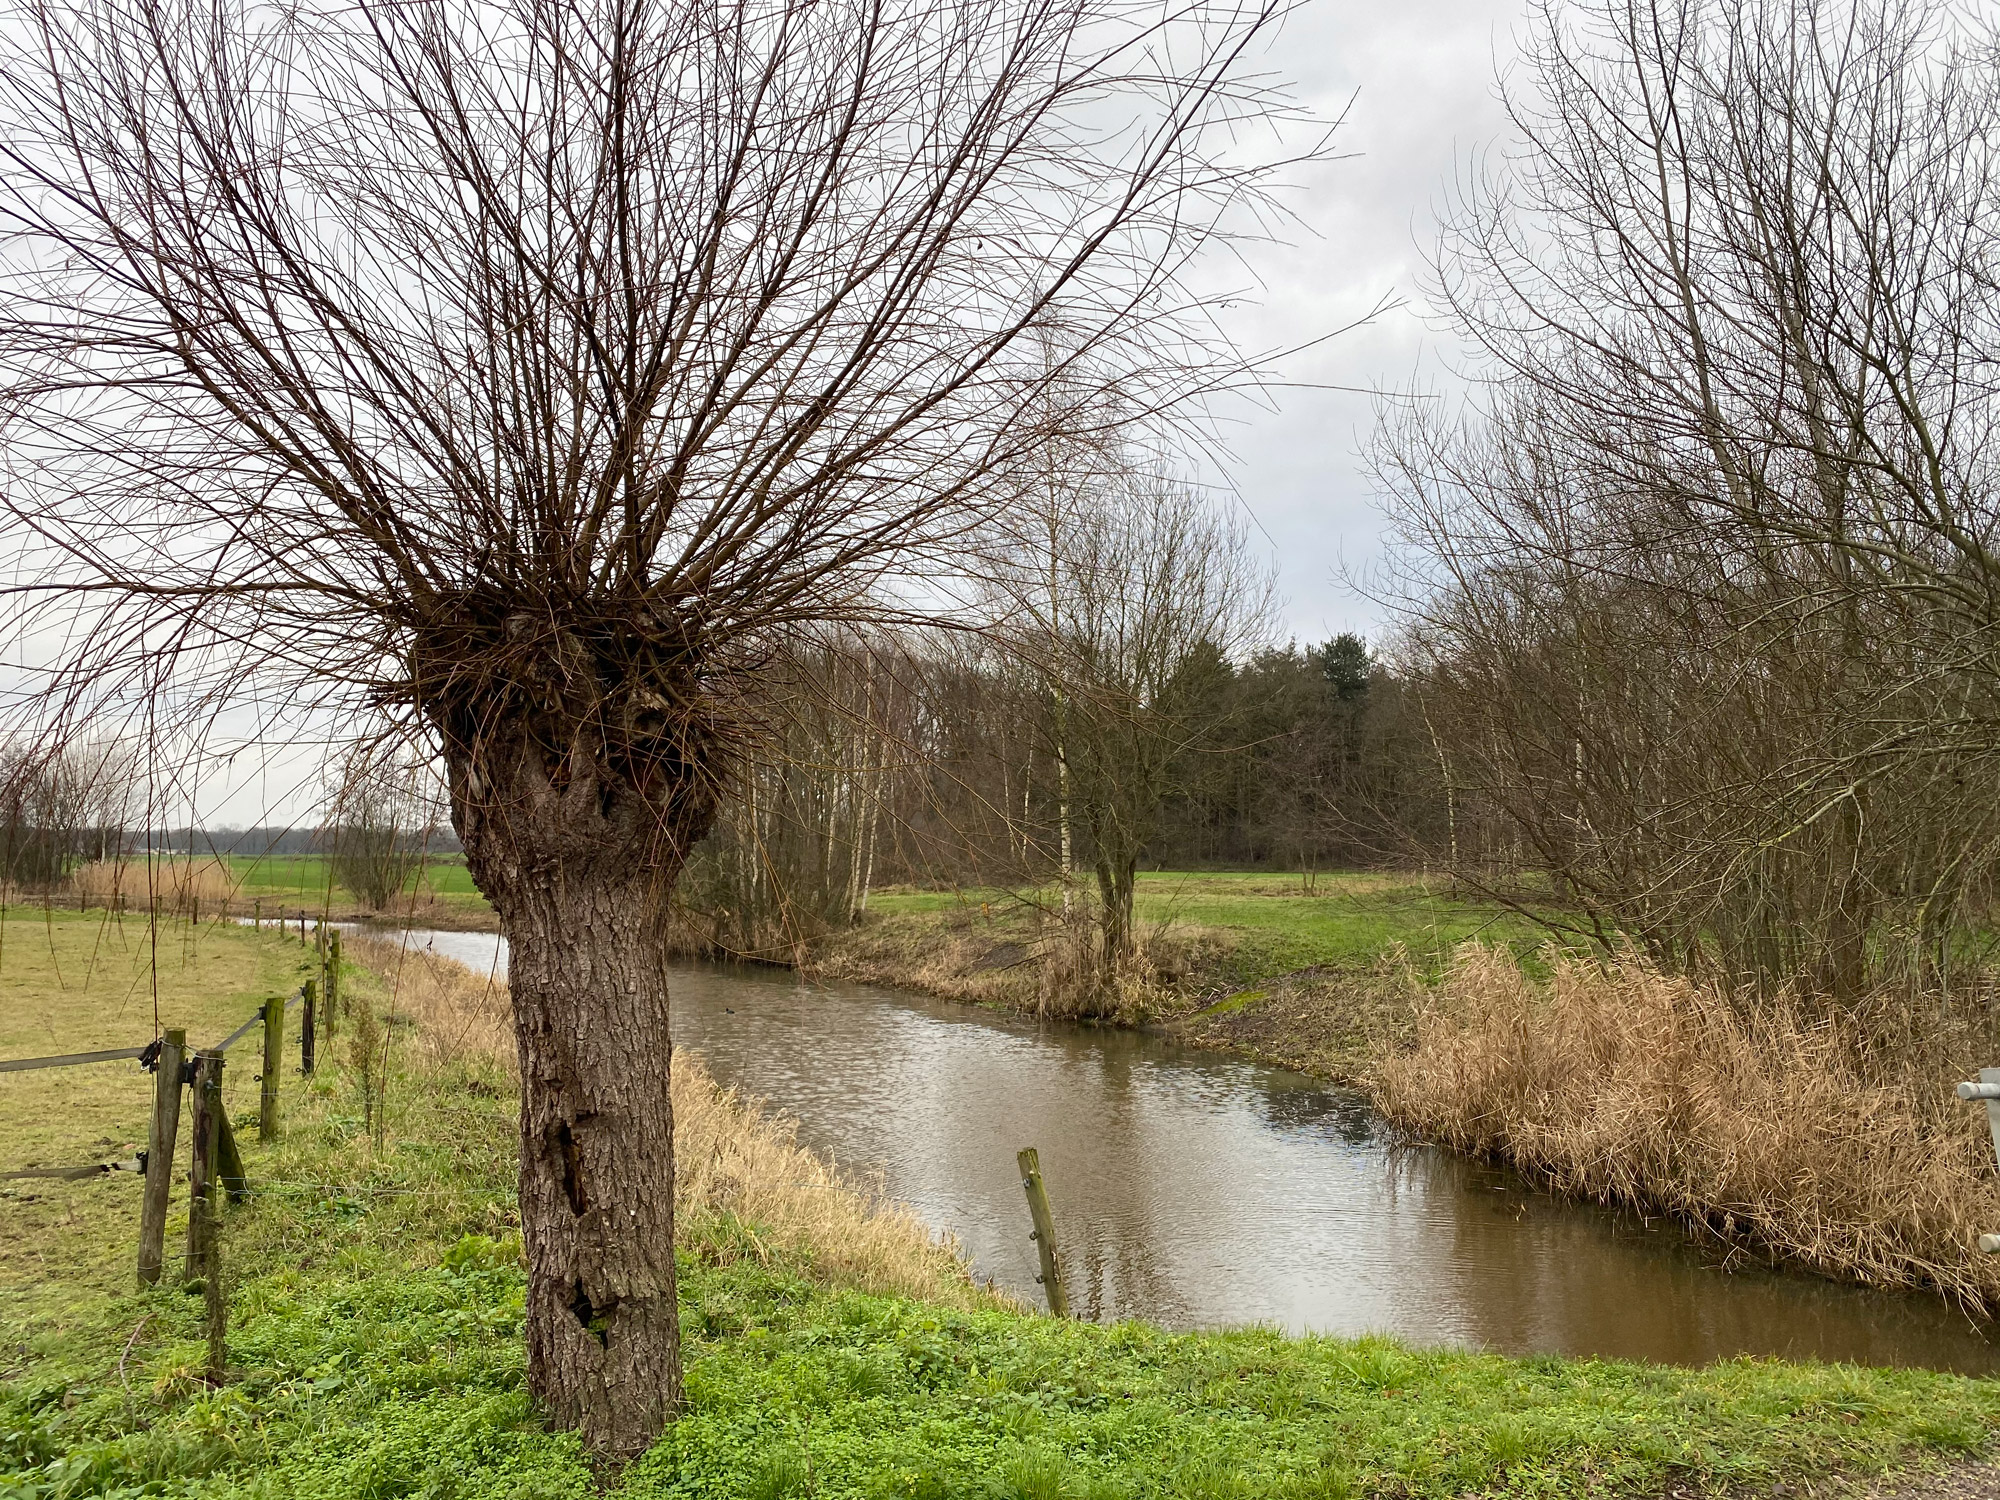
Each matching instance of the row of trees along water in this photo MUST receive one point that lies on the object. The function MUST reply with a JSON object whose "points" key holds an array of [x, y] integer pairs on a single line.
{"points": [[1694, 593]]}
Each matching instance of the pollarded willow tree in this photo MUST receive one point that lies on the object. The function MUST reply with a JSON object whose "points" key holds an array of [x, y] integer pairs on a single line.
{"points": [[532, 369]]}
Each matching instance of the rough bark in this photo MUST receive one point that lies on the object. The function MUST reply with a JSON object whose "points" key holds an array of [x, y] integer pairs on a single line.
{"points": [[579, 857]]}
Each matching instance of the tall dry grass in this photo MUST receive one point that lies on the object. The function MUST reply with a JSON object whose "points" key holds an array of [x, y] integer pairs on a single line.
{"points": [[732, 1156], [1831, 1140], [178, 885]]}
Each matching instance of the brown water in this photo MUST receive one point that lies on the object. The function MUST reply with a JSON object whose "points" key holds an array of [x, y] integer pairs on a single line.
{"points": [[1195, 1189]]}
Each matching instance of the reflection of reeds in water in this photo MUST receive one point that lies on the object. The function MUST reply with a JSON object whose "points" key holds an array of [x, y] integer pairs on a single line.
{"points": [[732, 1158], [1831, 1140], [171, 884]]}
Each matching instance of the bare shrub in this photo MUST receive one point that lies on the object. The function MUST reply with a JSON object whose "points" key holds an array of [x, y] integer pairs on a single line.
{"points": [[380, 806], [1811, 1134]]}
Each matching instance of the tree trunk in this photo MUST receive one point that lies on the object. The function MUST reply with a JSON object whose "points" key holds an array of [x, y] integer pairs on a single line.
{"points": [[579, 863], [1116, 878]]}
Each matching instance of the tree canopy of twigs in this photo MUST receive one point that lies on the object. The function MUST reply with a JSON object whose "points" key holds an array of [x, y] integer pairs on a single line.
{"points": [[530, 370], [1704, 588]]}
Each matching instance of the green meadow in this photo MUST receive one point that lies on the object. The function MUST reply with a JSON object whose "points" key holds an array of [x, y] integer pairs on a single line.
{"points": [[375, 1350]]}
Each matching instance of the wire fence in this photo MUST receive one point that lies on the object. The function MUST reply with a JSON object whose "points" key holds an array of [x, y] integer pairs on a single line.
{"points": [[147, 1057]]}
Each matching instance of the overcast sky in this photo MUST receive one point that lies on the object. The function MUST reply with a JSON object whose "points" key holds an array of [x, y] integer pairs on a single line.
{"points": [[1421, 78]]}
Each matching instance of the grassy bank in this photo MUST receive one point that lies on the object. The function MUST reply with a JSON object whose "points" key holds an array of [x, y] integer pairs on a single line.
{"points": [[833, 1349], [1315, 976]]}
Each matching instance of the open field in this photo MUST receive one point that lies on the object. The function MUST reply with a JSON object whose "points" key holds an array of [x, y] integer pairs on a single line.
{"points": [[1266, 922], [442, 894], [375, 1344], [84, 982]]}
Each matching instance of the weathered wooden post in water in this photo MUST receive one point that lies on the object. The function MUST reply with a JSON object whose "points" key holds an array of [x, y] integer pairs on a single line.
{"points": [[1045, 1230], [274, 1065], [169, 1075], [1987, 1089]]}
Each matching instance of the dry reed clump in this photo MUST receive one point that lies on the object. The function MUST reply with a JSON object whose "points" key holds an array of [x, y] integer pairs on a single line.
{"points": [[169, 884], [458, 1014], [732, 1157], [1830, 1140], [1041, 969]]}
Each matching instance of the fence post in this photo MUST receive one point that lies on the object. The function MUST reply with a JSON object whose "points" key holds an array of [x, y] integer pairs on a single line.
{"points": [[1045, 1230], [168, 1078], [257, 916], [202, 1185], [274, 1064], [332, 980], [309, 1029], [215, 1307]]}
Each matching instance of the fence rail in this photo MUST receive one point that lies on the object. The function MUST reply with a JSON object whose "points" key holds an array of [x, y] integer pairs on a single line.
{"points": [[68, 1059], [122, 1054], [76, 1174], [270, 1018]]}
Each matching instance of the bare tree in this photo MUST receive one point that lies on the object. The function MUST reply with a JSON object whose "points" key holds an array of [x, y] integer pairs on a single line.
{"points": [[1134, 605], [1705, 590], [61, 805], [377, 814], [533, 369]]}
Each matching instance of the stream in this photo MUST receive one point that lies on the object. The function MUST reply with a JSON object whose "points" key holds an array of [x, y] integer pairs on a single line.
{"points": [[1195, 1189]]}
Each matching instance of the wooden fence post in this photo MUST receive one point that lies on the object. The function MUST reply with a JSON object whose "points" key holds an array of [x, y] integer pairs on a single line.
{"points": [[1045, 1230], [274, 1065], [332, 980], [215, 1307], [202, 1185], [168, 1077], [309, 1027], [257, 916]]}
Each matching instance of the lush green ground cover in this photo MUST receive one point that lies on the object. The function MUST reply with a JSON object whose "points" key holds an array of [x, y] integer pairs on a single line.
{"points": [[375, 1351], [363, 1380], [1274, 923]]}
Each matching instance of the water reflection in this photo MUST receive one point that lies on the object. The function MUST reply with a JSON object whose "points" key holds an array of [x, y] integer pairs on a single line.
{"points": [[1195, 1189]]}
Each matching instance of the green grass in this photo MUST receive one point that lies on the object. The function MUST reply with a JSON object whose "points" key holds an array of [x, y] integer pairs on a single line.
{"points": [[1269, 922], [375, 1352], [307, 880], [365, 1374]]}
